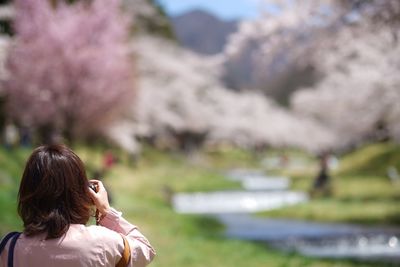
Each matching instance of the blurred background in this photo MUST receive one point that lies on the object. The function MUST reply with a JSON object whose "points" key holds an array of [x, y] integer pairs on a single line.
{"points": [[234, 133]]}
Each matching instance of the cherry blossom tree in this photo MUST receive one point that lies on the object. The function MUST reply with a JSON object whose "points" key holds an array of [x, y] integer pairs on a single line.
{"points": [[178, 98], [359, 94], [274, 52], [350, 46], [377, 11], [70, 67]]}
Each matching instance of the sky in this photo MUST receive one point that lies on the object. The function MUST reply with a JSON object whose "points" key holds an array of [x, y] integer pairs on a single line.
{"points": [[226, 9]]}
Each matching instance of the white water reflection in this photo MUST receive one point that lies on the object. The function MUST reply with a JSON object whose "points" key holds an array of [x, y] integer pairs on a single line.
{"points": [[235, 201], [256, 180], [369, 247], [325, 240], [248, 227], [268, 183]]}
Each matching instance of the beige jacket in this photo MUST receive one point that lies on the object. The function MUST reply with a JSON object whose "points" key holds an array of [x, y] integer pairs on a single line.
{"points": [[83, 246]]}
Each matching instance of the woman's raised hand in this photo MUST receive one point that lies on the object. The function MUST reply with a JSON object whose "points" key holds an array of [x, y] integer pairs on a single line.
{"points": [[100, 198]]}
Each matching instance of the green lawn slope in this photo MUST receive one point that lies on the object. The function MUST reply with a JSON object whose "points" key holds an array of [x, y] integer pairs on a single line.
{"points": [[374, 159]]}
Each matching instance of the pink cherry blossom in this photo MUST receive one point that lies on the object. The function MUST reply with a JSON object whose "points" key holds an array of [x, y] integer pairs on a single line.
{"points": [[70, 65]]}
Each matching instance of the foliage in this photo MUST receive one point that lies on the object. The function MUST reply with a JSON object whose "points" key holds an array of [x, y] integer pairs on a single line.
{"points": [[69, 66], [11, 163], [149, 17], [156, 26]]}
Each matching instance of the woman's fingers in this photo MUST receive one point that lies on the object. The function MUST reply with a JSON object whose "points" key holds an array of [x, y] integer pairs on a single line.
{"points": [[95, 182], [98, 184], [100, 198], [92, 194]]}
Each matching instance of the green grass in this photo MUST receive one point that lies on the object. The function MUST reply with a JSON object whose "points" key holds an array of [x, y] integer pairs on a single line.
{"points": [[374, 159], [138, 189], [11, 167], [183, 240]]}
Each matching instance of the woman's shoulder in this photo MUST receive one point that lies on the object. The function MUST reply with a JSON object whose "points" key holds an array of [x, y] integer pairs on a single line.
{"points": [[90, 243], [94, 232], [111, 242]]}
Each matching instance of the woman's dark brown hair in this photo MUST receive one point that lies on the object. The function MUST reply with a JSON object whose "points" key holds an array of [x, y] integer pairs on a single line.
{"points": [[53, 192]]}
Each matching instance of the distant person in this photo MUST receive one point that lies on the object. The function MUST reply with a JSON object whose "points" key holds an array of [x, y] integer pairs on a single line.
{"points": [[393, 174], [11, 135], [168, 193], [109, 160], [107, 163], [25, 134], [55, 201], [283, 160], [322, 182]]}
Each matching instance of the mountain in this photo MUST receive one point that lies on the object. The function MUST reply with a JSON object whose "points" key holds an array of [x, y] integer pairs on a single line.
{"points": [[203, 32]]}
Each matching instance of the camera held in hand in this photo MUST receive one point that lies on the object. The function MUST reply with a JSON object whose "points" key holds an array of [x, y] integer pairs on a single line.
{"points": [[93, 187]]}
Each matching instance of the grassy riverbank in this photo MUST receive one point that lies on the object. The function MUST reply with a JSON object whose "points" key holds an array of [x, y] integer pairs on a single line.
{"points": [[141, 191], [362, 191]]}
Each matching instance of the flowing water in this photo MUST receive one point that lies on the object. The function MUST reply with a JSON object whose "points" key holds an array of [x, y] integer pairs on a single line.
{"points": [[324, 240]]}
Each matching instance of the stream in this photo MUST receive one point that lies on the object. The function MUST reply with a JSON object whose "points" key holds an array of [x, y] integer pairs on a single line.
{"points": [[261, 193]]}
